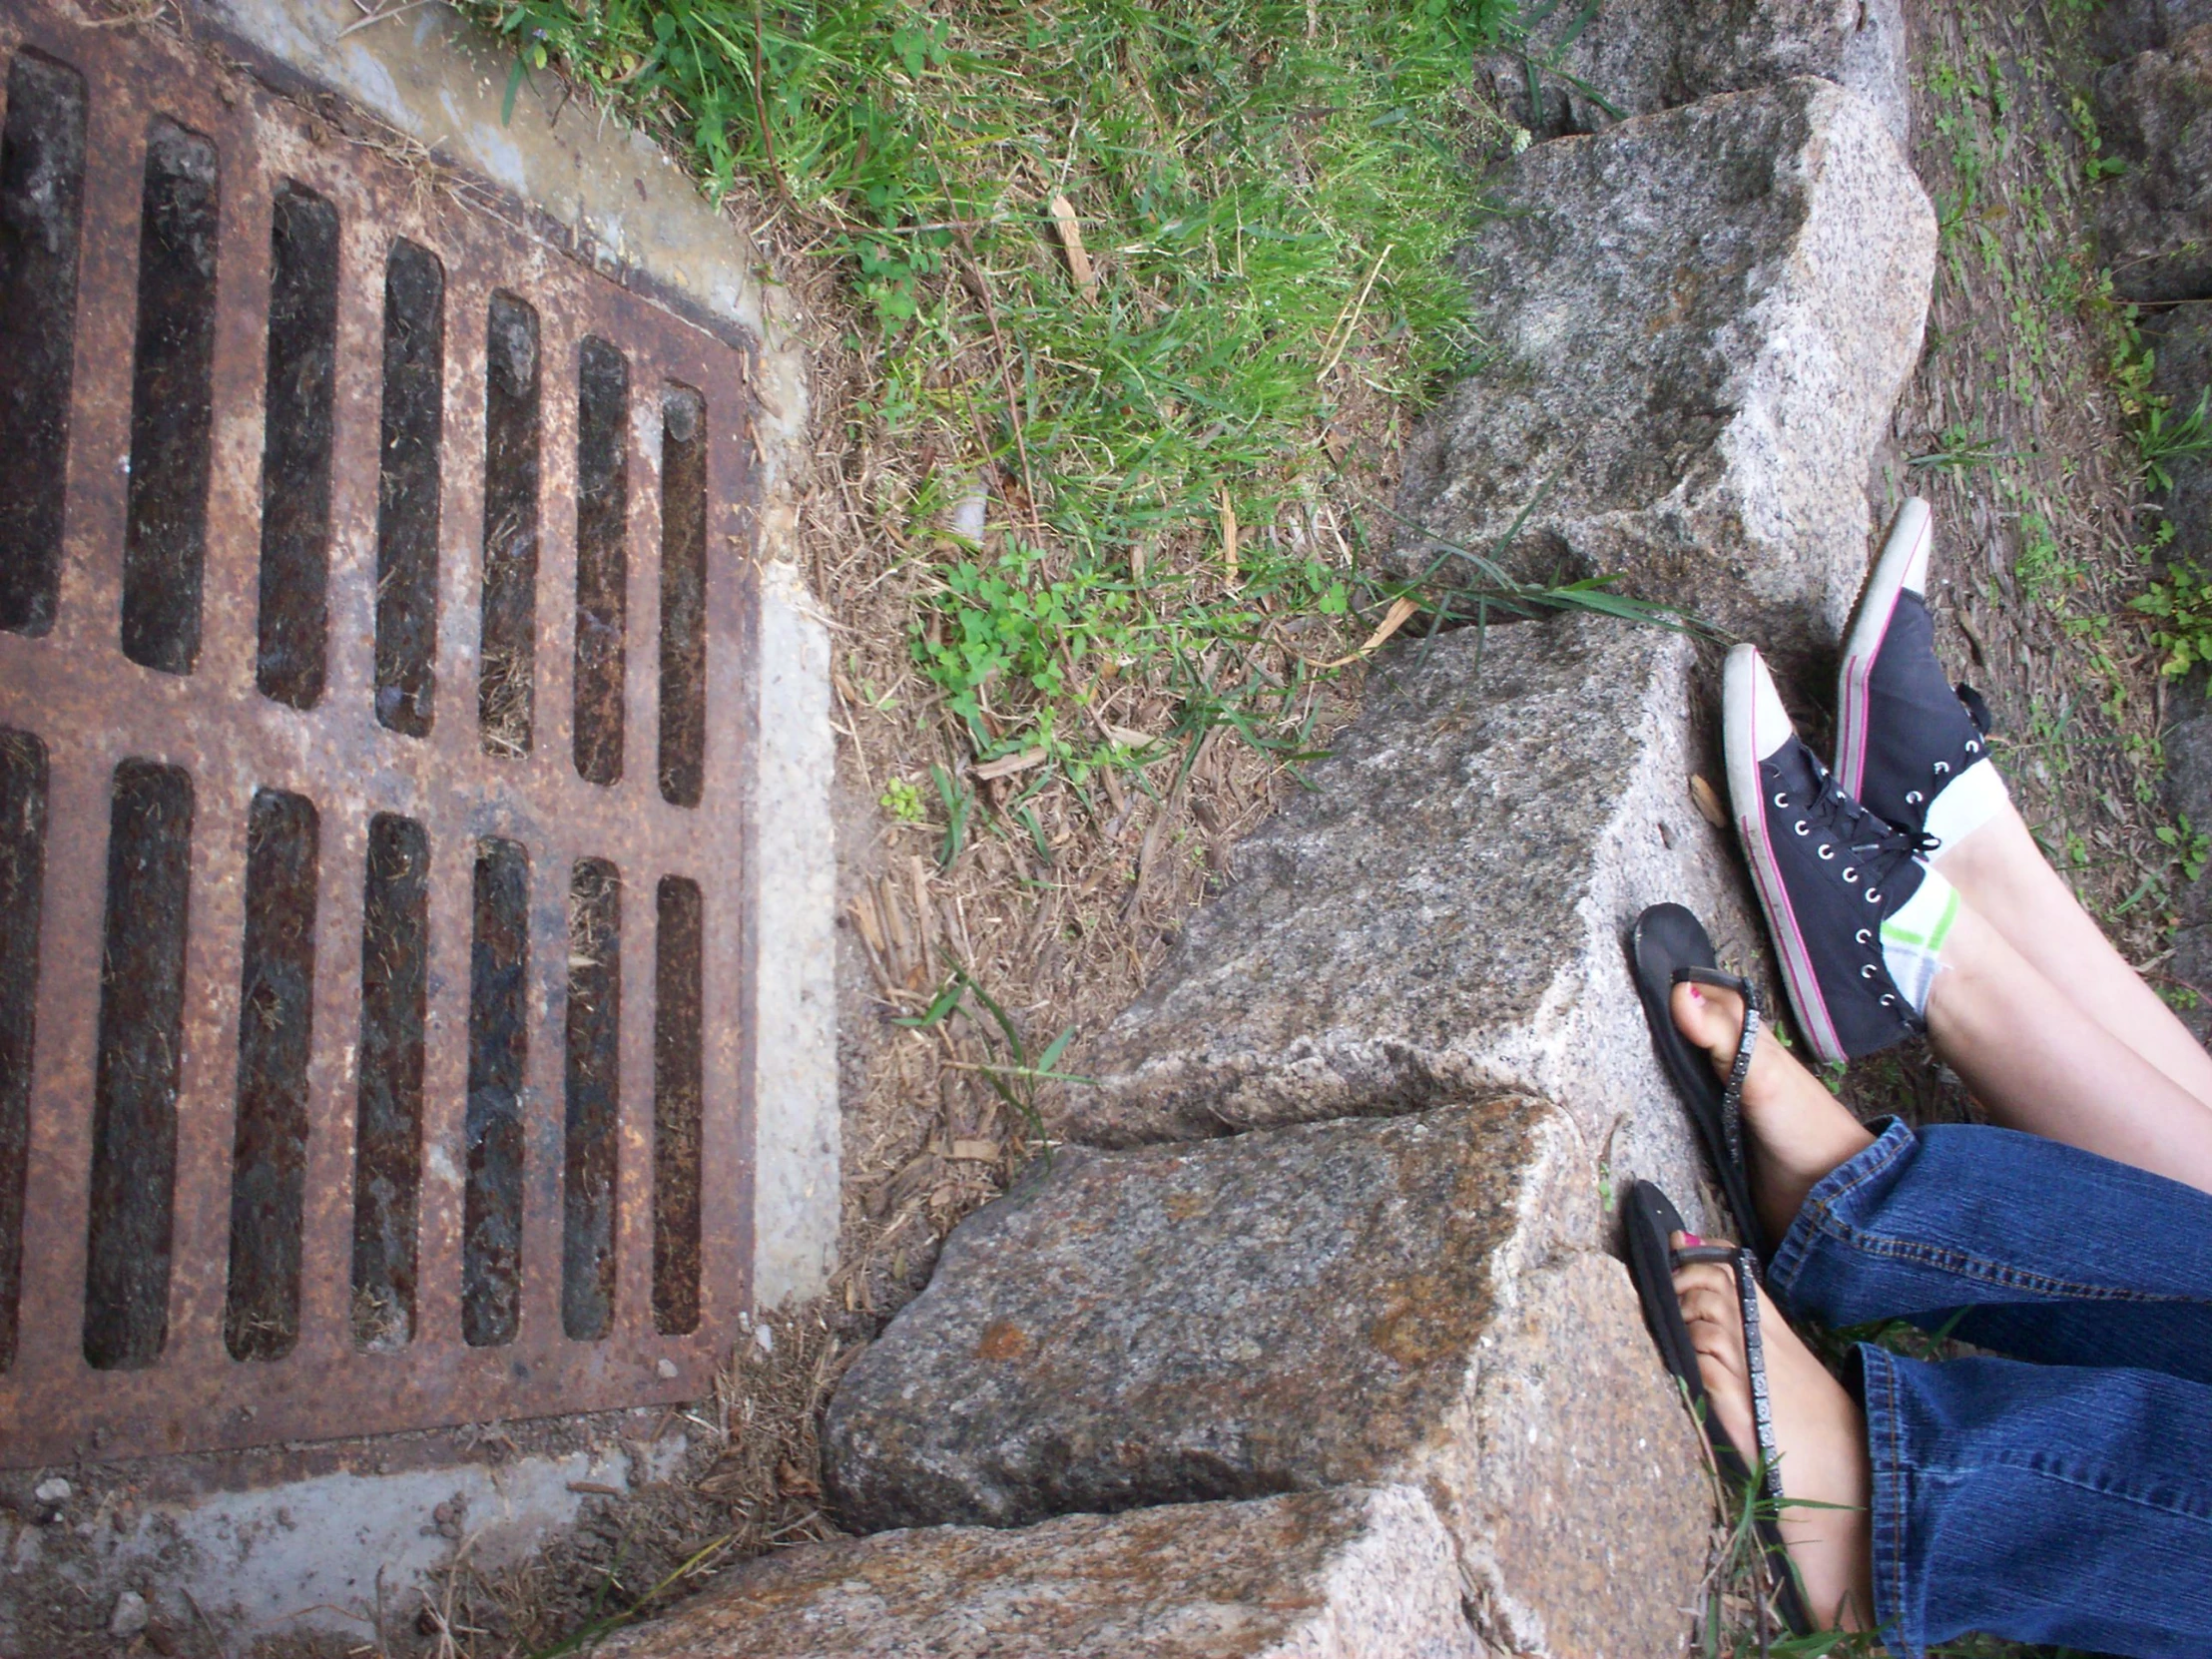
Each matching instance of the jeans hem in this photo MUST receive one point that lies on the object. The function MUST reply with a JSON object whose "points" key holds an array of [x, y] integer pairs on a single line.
{"points": [[1889, 1502]]}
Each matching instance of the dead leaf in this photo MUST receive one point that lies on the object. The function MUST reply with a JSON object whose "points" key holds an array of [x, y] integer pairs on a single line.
{"points": [[1393, 620], [793, 1482], [1129, 736], [1708, 803], [1071, 239], [1007, 765], [597, 1489], [978, 1152], [1229, 538]]}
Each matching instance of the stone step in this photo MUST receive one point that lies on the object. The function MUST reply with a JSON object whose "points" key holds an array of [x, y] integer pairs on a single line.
{"points": [[1313, 1575], [1700, 323], [1362, 1302], [1442, 916], [1648, 55]]}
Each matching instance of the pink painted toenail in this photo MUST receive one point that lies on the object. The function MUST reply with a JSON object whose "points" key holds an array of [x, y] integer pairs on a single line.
{"points": [[1696, 995], [1689, 1241]]}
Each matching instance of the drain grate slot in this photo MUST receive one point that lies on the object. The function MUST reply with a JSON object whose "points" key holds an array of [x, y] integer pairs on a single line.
{"points": [[498, 1049], [678, 1097], [407, 488], [171, 402], [387, 1145], [602, 556], [339, 1120], [22, 889], [683, 596], [269, 1160], [134, 1132], [505, 686], [42, 182], [295, 453], [594, 1095]]}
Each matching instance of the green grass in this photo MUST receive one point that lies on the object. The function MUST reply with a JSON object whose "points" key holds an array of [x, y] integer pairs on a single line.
{"points": [[1269, 192]]}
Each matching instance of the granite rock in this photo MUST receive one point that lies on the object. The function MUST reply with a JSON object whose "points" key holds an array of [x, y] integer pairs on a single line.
{"points": [[2122, 28], [1337, 1574], [1700, 323], [1351, 1303], [1641, 56], [2154, 221], [1442, 916]]}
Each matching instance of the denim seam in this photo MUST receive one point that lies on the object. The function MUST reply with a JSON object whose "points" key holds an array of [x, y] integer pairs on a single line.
{"points": [[1965, 1264], [2024, 1466], [1899, 1477]]}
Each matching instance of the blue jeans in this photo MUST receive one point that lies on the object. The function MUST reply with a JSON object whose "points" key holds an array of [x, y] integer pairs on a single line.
{"points": [[2062, 1495]]}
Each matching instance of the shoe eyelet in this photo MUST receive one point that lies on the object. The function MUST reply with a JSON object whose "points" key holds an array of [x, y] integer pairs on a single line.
{"points": [[1912, 797], [1864, 935], [1887, 1000], [1874, 896], [1839, 796], [1941, 767], [1782, 801], [1974, 746], [1850, 874], [1802, 828], [1826, 851], [1867, 973]]}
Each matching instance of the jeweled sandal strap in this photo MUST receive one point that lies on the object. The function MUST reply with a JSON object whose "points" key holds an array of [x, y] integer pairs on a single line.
{"points": [[1731, 1093], [1755, 1361]]}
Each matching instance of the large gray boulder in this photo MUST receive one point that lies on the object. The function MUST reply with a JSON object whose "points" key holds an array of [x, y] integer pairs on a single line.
{"points": [[1321, 1575], [2122, 28], [1700, 323], [2154, 221], [1640, 56], [1442, 915], [1345, 1304]]}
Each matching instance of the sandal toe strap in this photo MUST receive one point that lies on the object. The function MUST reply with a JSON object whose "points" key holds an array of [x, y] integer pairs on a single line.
{"points": [[1746, 1268], [1732, 1094]]}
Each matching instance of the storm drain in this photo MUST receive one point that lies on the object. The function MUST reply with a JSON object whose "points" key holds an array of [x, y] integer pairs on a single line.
{"points": [[375, 644]]}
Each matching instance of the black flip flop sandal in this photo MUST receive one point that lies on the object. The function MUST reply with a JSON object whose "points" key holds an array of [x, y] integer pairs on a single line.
{"points": [[1668, 947], [1651, 1220]]}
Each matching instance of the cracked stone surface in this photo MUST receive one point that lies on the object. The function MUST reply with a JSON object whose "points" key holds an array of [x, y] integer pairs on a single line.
{"points": [[2154, 221], [1360, 1302], [1444, 914], [1318, 1575], [1701, 322], [1639, 56]]}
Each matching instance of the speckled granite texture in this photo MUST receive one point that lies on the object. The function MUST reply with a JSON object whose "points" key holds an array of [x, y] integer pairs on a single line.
{"points": [[1346, 1575], [1351, 1303], [1701, 320], [1645, 55], [1442, 915]]}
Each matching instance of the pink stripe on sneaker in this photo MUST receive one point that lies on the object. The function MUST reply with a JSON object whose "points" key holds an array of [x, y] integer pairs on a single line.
{"points": [[1797, 960]]}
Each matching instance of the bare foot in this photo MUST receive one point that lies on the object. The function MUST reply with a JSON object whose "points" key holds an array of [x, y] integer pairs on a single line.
{"points": [[1798, 1131], [1818, 1433]]}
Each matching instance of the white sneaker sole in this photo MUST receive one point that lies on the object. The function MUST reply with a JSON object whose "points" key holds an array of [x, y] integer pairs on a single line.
{"points": [[1903, 555], [1745, 736]]}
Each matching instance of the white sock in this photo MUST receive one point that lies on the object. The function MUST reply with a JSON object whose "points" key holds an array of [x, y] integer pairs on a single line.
{"points": [[1913, 939], [1967, 803]]}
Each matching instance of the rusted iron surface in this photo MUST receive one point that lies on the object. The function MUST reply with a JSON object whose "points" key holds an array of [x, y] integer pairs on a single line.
{"points": [[93, 708]]}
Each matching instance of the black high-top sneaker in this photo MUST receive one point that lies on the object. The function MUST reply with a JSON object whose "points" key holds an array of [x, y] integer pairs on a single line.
{"points": [[1905, 736], [1828, 870]]}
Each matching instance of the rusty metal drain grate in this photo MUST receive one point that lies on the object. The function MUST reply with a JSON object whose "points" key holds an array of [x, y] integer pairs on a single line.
{"points": [[375, 630]]}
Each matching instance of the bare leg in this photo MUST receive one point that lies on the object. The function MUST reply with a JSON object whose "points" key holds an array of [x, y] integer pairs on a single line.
{"points": [[1819, 1433], [2002, 874], [1798, 1131], [2038, 1061]]}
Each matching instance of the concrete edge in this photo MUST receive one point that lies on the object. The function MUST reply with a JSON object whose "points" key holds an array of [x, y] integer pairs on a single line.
{"points": [[799, 1144]]}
